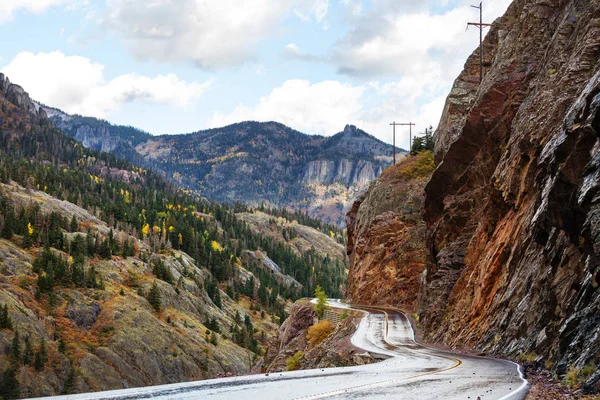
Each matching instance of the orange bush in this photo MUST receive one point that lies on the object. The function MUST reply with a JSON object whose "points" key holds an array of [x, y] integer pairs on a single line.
{"points": [[318, 332]]}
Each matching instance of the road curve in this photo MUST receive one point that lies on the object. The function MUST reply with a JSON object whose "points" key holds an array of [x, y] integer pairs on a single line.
{"points": [[412, 372]]}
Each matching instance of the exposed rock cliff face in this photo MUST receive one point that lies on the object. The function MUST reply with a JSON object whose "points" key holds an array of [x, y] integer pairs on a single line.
{"points": [[20, 98], [386, 237], [513, 209]]}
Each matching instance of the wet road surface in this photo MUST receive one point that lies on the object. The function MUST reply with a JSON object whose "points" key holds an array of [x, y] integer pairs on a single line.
{"points": [[412, 372]]}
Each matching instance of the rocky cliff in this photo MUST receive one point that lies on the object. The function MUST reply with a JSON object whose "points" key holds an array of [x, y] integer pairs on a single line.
{"points": [[512, 210], [386, 237], [336, 350]]}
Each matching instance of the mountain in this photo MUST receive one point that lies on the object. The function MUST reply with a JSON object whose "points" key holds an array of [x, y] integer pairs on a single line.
{"points": [[113, 277], [251, 162], [510, 247]]}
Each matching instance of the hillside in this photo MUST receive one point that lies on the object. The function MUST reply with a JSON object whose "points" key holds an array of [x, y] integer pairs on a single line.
{"points": [[111, 277], [250, 162], [511, 211]]}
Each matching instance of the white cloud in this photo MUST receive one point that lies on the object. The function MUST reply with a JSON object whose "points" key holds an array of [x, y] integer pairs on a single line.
{"points": [[325, 107], [210, 34], [312, 108], [77, 85], [400, 37], [9, 7]]}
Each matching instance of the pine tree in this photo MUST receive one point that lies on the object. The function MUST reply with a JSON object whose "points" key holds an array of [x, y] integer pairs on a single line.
{"points": [[10, 385], [70, 381], [154, 297], [15, 352], [27, 352], [321, 301], [7, 229], [74, 226], [5, 321]]}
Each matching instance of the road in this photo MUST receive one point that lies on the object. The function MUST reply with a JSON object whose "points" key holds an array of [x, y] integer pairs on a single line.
{"points": [[412, 372]]}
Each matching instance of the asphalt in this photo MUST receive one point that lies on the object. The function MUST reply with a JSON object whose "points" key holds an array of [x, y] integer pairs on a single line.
{"points": [[412, 371]]}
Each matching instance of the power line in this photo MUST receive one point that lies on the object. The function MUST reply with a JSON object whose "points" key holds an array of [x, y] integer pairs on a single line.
{"points": [[410, 125], [480, 25]]}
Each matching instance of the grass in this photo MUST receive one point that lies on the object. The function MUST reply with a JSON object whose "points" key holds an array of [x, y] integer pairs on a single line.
{"points": [[576, 377], [413, 167], [526, 358]]}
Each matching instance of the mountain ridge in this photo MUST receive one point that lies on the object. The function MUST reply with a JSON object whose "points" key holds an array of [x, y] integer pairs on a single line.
{"points": [[249, 161]]}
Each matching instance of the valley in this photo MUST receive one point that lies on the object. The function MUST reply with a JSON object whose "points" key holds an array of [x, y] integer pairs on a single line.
{"points": [[254, 260]]}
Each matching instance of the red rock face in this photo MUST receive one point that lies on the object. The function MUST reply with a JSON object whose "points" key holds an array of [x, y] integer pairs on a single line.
{"points": [[386, 237], [513, 210]]}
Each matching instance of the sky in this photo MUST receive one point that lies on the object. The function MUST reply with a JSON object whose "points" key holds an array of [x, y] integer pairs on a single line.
{"points": [[179, 66]]}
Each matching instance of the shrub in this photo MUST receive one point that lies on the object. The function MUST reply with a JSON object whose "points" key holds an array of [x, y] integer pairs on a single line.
{"points": [[572, 377], [293, 362], [526, 358], [344, 315], [318, 332]]}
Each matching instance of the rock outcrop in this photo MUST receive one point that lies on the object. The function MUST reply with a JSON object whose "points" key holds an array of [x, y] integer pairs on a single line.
{"points": [[20, 98], [386, 237], [335, 351], [512, 210]]}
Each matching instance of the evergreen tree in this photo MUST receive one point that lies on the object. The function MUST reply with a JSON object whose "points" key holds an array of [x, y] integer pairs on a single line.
{"points": [[10, 385], [7, 229], [5, 321], [27, 352], [15, 352], [321, 301], [154, 297], [74, 225]]}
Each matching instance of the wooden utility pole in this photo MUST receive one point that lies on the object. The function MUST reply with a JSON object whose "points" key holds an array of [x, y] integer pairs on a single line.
{"points": [[480, 25], [410, 125]]}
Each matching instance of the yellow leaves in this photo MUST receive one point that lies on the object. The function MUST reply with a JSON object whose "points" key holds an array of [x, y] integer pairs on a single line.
{"points": [[30, 229], [70, 259], [96, 179], [146, 230], [171, 229], [180, 236], [216, 246], [126, 195], [319, 332], [331, 234], [156, 230]]}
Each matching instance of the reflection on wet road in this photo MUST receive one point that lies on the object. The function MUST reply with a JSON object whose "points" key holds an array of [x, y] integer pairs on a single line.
{"points": [[411, 372]]}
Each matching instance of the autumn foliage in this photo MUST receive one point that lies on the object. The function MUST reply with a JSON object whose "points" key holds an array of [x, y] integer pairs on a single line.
{"points": [[319, 332]]}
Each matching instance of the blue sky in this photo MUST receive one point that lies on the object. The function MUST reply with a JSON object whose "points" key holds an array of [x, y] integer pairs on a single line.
{"points": [[174, 66]]}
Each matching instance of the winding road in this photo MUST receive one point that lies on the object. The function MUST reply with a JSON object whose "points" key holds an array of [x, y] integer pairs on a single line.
{"points": [[412, 372]]}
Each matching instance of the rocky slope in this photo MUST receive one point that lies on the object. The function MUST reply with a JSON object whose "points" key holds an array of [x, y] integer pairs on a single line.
{"points": [[111, 277], [511, 211], [335, 351], [250, 162], [386, 237]]}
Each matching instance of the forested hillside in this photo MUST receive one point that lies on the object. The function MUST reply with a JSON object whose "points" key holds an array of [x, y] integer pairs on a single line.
{"points": [[252, 162], [112, 277]]}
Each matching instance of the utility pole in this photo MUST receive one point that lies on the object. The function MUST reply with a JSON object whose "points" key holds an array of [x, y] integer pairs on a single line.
{"points": [[480, 25], [410, 125]]}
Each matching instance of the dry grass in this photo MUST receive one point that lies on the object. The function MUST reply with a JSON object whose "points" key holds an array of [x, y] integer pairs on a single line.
{"points": [[414, 167], [319, 332]]}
